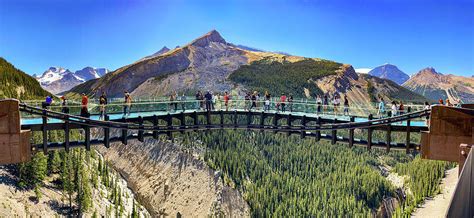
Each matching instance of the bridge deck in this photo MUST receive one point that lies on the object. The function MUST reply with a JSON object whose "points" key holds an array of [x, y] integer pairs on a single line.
{"points": [[118, 116]]}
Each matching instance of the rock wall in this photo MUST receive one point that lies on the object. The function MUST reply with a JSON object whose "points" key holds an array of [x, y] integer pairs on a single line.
{"points": [[169, 179]]}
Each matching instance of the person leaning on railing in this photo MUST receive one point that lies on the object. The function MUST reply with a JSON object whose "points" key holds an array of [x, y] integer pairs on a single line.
{"points": [[102, 104], [64, 103], [84, 109]]}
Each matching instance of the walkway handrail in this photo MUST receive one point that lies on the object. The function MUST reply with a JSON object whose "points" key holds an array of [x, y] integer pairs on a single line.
{"points": [[131, 126]]}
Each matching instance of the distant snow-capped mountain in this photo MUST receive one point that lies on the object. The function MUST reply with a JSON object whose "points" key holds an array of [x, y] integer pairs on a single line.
{"points": [[363, 70], [58, 79]]}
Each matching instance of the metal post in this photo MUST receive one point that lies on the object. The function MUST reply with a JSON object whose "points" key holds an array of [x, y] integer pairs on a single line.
{"points": [[235, 119], [275, 122], [303, 123], [249, 119], [388, 137], [262, 121], [351, 133], [318, 133], [334, 133], [169, 120], [182, 121], [66, 132], [106, 133], [407, 144], [45, 132], [124, 132], [140, 131], [289, 120], [87, 133], [369, 134], [221, 113], [155, 126]]}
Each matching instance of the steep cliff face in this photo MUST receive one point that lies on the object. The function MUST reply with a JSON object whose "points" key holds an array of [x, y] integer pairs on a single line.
{"points": [[169, 179]]}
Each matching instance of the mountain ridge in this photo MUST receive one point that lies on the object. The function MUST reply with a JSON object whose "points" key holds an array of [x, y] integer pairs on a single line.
{"points": [[435, 85], [208, 63]]}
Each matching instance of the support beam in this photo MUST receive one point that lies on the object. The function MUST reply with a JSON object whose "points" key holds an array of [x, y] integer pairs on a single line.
{"points": [[388, 137], [87, 134], [124, 132], [303, 127], [44, 127], [106, 133], [66, 133], [318, 133], [155, 126], [334, 134], [351, 133], [169, 124], [369, 134], [408, 141], [140, 131]]}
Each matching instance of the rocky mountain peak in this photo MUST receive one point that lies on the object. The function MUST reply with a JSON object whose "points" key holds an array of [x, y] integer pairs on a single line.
{"points": [[206, 39], [391, 72]]}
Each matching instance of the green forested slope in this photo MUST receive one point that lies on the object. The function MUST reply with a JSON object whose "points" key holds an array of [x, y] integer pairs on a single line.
{"points": [[14, 83], [281, 176], [285, 77]]}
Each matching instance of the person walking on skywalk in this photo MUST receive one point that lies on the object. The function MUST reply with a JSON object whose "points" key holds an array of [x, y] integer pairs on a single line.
{"points": [[127, 104], [381, 108], [84, 109], [208, 98], [183, 102], [346, 106], [102, 103]]}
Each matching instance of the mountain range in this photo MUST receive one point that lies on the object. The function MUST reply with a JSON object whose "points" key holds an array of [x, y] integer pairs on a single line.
{"points": [[57, 79], [211, 63], [435, 85], [391, 72]]}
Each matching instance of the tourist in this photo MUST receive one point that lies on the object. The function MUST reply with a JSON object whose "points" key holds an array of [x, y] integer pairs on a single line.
{"points": [[47, 102], [290, 102], [346, 106], [319, 101], [198, 100], [401, 108], [84, 109], [64, 103], [183, 102], [226, 101], [267, 101], [394, 108], [253, 98], [440, 101], [127, 104], [282, 101], [325, 102], [208, 98], [102, 104], [336, 102], [217, 101], [448, 103], [427, 107], [213, 101], [381, 108], [173, 105]]}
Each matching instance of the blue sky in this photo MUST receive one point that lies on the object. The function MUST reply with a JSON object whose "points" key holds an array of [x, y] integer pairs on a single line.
{"points": [[412, 34]]}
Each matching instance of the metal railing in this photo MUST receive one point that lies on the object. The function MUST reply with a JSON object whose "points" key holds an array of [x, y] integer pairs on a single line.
{"points": [[462, 202]]}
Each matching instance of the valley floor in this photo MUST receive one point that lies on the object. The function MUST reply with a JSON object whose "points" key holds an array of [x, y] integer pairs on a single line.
{"points": [[438, 205]]}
